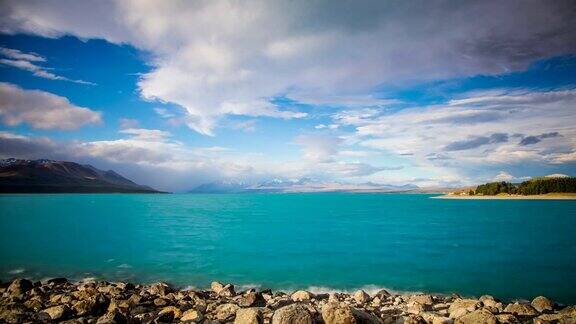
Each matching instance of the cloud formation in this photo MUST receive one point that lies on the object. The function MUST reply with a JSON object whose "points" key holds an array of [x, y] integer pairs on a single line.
{"points": [[215, 58], [28, 62], [42, 110]]}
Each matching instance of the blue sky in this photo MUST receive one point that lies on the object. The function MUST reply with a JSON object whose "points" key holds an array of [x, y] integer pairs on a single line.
{"points": [[175, 94]]}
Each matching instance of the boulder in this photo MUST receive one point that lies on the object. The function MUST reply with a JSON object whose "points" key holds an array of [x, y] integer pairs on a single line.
{"points": [[361, 297], [382, 294], [301, 295], [507, 319], [337, 313], [113, 317], [363, 317], [521, 309], [422, 299], [226, 312], [480, 316], [191, 315], [227, 291], [251, 299], [542, 304], [159, 289], [176, 312], [55, 313], [248, 316], [292, 314], [460, 307], [84, 307], [19, 287], [216, 286]]}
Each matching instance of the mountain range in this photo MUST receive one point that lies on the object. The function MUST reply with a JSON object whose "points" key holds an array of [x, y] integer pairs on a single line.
{"points": [[299, 185], [46, 176]]}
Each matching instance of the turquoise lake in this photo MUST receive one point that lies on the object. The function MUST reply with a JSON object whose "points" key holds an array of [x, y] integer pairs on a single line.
{"points": [[404, 242]]}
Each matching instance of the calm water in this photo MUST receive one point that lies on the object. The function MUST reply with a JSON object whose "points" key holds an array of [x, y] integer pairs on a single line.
{"points": [[511, 249]]}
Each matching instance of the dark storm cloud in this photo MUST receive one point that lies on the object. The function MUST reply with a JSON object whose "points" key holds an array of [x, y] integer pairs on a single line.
{"points": [[529, 140], [475, 142]]}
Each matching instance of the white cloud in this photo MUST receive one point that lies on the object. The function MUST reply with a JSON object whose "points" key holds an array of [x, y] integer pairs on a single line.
{"points": [[19, 55], [42, 109], [215, 58], [27, 62]]}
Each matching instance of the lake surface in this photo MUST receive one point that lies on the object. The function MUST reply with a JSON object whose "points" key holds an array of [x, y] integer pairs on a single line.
{"points": [[404, 242]]}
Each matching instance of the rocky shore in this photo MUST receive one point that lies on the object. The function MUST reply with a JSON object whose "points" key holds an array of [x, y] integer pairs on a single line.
{"points": [[59, 300]]}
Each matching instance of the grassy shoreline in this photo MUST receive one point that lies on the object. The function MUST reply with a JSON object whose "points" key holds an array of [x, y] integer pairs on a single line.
{"points": [[550, 196]]}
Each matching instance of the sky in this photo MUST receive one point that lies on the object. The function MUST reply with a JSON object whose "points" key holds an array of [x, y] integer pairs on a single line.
{"points": [[173, 94]]}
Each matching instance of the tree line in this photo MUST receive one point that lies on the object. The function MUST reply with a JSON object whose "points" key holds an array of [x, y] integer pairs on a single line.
{"points": [[537, 186]]}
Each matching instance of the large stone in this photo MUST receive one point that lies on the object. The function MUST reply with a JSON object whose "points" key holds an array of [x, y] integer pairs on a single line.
{"points": [[112, 317], [216, 286], [337, 313], [569, 311], [250, 299], [422, 299], [159, 289], [462, 306], [84, 307], [191, 315], [176, 312], [55, 313], [19, 287], [480, 316], [507, 319], [542, 304], [292, 314], [521, 309], [361, 297], [248, 316], [363, 317], [382, 294], [301, 295], [226, 312]]}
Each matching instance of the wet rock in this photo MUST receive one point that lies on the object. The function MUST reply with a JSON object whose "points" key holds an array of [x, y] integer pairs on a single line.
{"points": [[422, 299], [176, 312], [191, 315], [160, 302], [507, 319], [460, 307], [248, 316], [521, 309], [542, 304], [569, 311], [84, 307], [552, 318], [251, 299], [292, 314], [55, 313], [301, 295], [337, 313], [227, 291], [382, 294], [159, 289], [480, 316], [216, 287], [19, 287], [226, 312], [113, 317], [361, 297], [363, 317]]}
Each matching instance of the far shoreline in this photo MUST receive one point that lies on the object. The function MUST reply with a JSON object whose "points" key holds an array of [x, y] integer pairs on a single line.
{"points": [[550, 196]]}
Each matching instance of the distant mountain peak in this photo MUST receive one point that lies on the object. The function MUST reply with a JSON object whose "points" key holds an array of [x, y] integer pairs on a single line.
{"points": [[297, 185], [44, 175]]}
